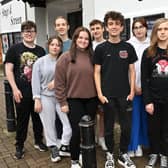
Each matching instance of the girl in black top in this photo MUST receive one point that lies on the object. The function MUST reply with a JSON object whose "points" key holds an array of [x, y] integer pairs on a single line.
{"points": [[154, 78]]}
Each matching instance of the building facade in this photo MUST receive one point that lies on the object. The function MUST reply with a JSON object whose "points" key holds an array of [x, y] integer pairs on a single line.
{"points": [[78, 12]]}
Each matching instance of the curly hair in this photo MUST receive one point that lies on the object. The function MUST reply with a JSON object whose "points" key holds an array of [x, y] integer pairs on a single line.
{"points": [[114, 16]]}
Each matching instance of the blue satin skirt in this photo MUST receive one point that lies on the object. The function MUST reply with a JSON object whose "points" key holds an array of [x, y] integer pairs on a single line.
{"points": [[139, 130]]}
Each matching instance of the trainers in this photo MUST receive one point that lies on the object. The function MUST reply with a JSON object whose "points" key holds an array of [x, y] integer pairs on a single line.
{"points": [[131, 153], [80, 159], [139, 152], [19, 152], [163, 161], [75, 164], [55, 157], [110, 160], [152, 161], [102, 143], [125, 161], [41, 147], [64, 150]]}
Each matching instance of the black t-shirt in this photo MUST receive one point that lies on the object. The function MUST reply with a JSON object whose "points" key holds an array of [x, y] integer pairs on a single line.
{"points": [[154, 76], [114, 59], [23, 59]]}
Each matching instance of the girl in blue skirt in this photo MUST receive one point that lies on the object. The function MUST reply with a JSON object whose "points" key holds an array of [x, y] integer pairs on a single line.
{"points": [[139, 137]]}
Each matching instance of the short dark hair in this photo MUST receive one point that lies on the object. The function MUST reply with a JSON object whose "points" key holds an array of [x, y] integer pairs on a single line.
{"points": [[61, 17], [96, 21], [28, 25], [114, 16]]}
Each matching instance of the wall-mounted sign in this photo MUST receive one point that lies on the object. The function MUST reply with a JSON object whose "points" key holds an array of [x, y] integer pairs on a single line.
{"points": [[12, 15]]}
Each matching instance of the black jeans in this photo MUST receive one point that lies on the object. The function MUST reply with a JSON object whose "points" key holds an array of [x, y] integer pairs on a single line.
{"points": [[79, 108], [117, 105], [23, 111], [158, 129]]}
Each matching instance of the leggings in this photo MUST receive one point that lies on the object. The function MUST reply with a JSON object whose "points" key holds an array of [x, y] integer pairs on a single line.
{"points": [[79, 108]]}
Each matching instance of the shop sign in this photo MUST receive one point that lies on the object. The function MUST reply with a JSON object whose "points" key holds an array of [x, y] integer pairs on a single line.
{"points": [[12, 15]]}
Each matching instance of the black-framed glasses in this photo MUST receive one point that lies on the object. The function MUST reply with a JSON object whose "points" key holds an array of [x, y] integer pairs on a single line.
{"points": [[29, 31]]}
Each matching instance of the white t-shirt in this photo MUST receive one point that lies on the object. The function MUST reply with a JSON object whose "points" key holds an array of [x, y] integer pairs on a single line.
{"points": [[95, 43]]}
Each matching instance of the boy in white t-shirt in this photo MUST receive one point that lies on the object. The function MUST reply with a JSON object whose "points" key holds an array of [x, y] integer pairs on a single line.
{"points": [[97, 29]]}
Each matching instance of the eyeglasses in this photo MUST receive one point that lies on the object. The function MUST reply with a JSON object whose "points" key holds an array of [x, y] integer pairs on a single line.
{"points": [[140, 27], [29, 31]]}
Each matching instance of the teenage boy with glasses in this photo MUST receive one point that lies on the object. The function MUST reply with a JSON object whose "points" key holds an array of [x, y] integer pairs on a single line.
{"points": [[18, 66]]}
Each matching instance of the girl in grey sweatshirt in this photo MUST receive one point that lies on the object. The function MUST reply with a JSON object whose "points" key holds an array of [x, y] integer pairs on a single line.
{"points": [[46, 103]]}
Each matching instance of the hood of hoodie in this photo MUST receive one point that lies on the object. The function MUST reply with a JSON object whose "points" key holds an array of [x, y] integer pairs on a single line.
{"points": [[133, 40], [139, 46]]}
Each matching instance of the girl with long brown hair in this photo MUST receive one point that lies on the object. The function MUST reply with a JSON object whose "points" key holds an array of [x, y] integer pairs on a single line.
{"points": [[154, 78], [75, 87]]}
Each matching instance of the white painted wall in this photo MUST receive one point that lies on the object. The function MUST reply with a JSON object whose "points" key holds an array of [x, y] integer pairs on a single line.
{"points": [[30, 12], [129, 8], [40, 20], [89, 8]]}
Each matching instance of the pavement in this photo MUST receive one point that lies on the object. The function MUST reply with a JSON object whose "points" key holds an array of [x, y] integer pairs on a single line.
{"points": [[36, 159]]}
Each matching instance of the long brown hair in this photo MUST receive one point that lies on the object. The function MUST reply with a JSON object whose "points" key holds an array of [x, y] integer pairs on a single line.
{"points": [[154, 39], [59, 41], [73, 47]]}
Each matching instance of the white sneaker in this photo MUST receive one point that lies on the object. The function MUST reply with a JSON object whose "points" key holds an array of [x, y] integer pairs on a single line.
{"points": [[139, 152], [55, 157], [110, 161], [80, 159], [152, 161], [131, 154], [163, 161], [75, 164], [102, 143], [64, 150], [125, 161]]}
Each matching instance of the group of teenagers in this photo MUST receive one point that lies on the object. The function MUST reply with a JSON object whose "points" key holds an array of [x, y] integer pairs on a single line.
{"points": [[90, 75]]}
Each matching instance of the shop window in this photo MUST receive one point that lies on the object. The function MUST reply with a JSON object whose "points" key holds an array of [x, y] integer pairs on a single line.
{"points": [[8, 39], [125, 35]]}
